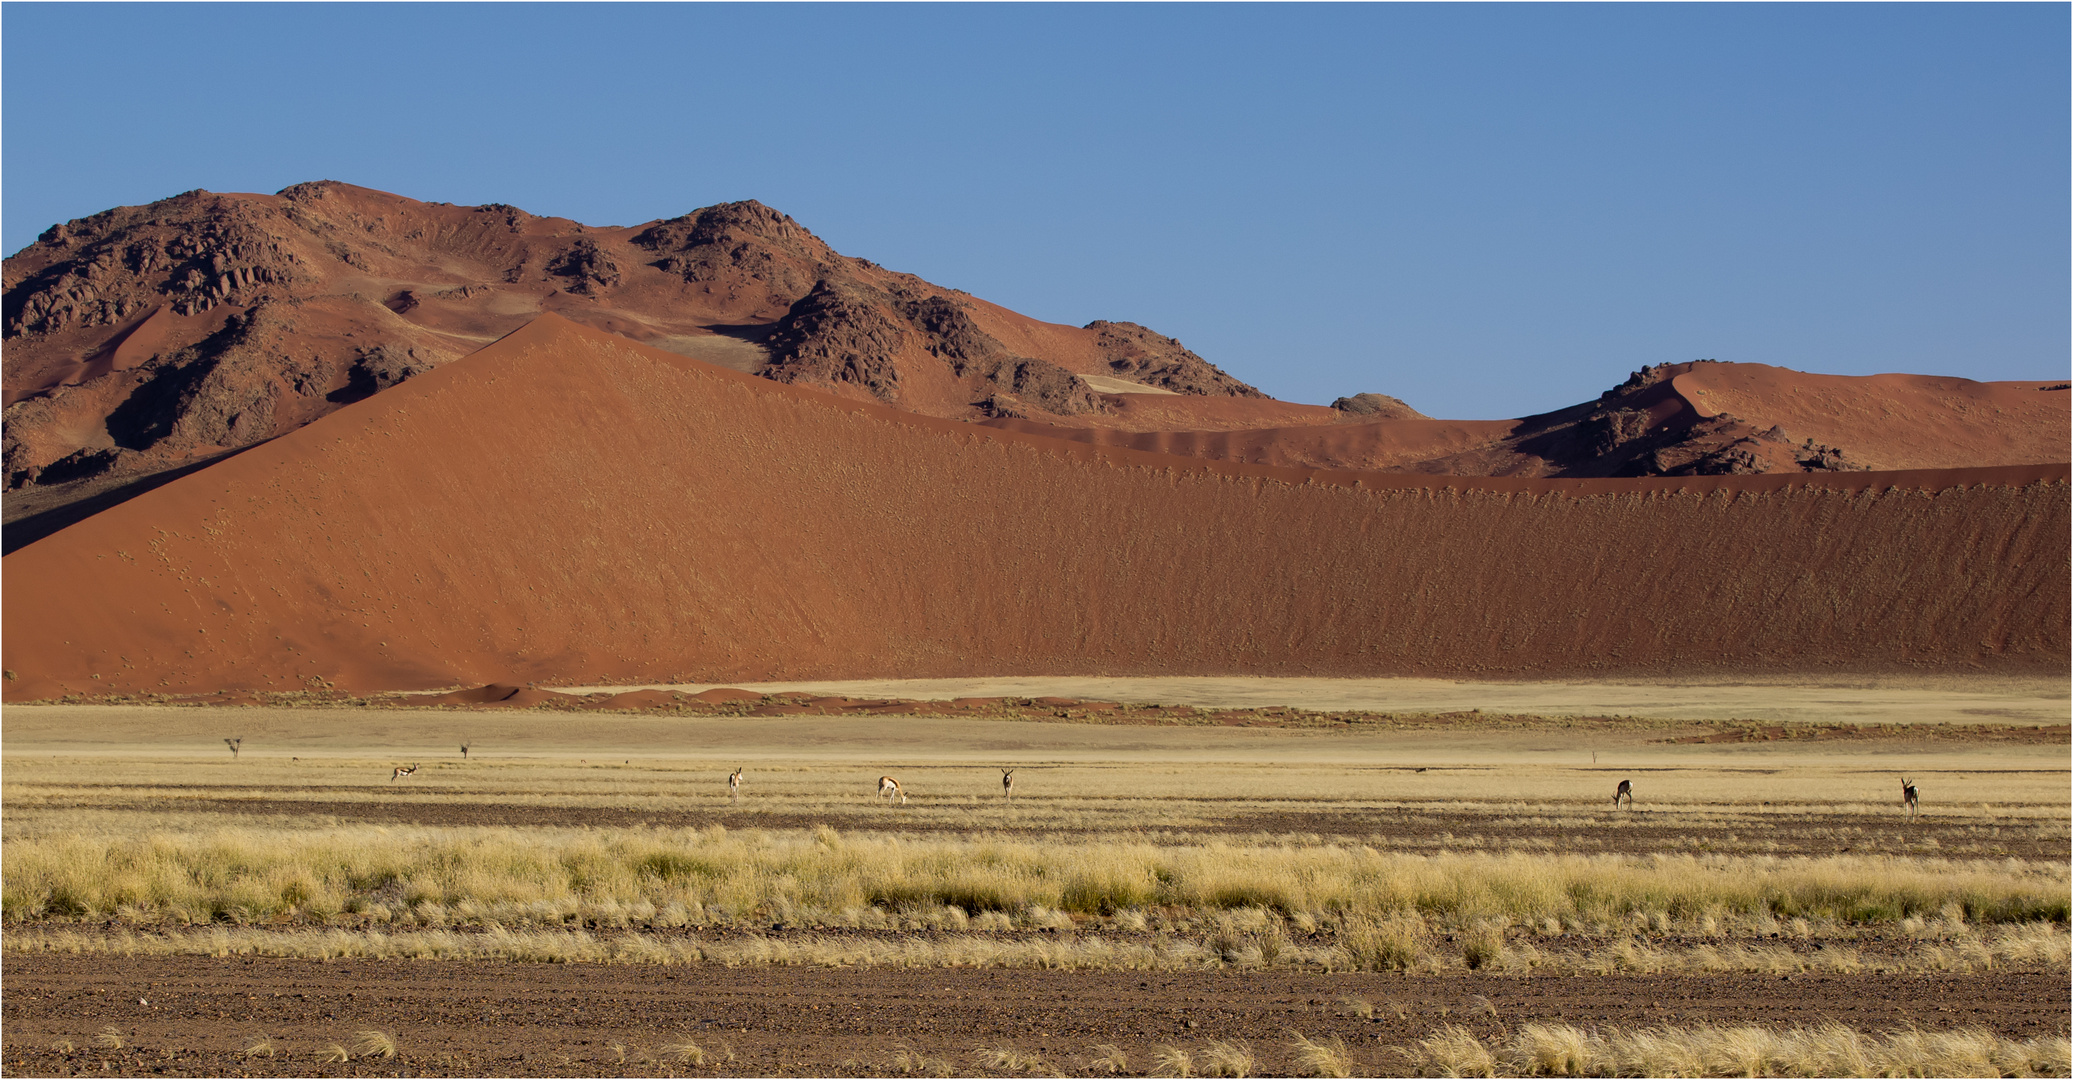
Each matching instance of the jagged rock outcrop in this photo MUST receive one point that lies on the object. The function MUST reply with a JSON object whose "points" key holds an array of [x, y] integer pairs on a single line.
{"points": [[1377, 407], [1135, 353], [740, 245], [840, 332]]}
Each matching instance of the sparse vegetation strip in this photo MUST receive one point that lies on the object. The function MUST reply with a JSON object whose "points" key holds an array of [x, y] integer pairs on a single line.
{"points": [[1226, 943], [1540, 1049], [692, 876]]}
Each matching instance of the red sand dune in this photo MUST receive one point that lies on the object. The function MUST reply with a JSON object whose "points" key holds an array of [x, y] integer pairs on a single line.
{"points": [[570, 507]]}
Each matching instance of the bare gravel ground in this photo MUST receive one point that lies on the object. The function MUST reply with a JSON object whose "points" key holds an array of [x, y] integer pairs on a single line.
{"points": [[197, 1015]]}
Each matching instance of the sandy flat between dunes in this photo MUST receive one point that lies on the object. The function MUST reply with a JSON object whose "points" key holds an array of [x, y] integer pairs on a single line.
{"points": [[1890, 699], [1500, 758]]}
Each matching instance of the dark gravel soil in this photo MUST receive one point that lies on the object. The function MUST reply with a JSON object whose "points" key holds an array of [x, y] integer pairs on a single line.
{"points": [[196, 1015], [1392, 826]]}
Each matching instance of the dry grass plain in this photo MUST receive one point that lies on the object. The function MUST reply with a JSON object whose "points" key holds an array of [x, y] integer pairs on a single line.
{"points": [[580, 895]]}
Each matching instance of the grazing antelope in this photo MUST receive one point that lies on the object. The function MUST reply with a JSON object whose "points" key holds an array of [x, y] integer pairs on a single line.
{"points": [[734, 784], [1007, 783], [402, 770], [890, 788], [234, 744], [1626, 791], [1910, 799]]}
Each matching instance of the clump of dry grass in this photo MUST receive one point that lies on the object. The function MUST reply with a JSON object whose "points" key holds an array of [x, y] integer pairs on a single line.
{"points": [[1329, 1057], [911, 1061], [1172, 1061], [260, 1046], [1108, 1059], [1398, 942], [1541, 1049], [1008, 1059], [684, 1052], [110, 1038], [374, 1044], [1228, 1057]]}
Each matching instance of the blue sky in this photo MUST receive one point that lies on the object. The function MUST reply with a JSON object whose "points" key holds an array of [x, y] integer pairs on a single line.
{"points": [[1486, 210]]}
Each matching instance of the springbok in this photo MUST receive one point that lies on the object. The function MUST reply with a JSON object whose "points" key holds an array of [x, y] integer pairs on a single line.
{"points": [[734, 784], [1007, 783], [402, 770], [890, 789], [1626, 791], [234, 744], [1910, 799]]}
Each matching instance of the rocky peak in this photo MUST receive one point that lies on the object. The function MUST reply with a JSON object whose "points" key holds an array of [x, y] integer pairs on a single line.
{"points": [[1377, 407]]}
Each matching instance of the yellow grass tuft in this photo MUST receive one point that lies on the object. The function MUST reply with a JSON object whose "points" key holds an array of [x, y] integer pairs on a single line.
{"points": [[1007, 1059], [1172, 1061], [911, 1061], [684, 1052], [1228, 1057], [1326, 1058], [374, 1044], [1109, 1059]]}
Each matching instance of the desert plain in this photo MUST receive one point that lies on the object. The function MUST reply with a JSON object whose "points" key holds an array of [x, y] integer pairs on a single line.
{"points": [[1213, 888], [392, 589]]}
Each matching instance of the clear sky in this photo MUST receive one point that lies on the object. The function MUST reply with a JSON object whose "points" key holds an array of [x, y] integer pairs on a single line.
{"points": [[1486, 210]]}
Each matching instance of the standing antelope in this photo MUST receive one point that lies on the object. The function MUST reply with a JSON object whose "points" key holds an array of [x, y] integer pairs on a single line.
{"points": [[1626, 791], [1910, 799], [1007, 783], [734, 784], [402, 771], [890, 789], [234, 744]]}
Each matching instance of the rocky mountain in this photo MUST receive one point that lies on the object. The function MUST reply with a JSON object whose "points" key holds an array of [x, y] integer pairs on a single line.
{"points": [[145, 342], [148, 339]]}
